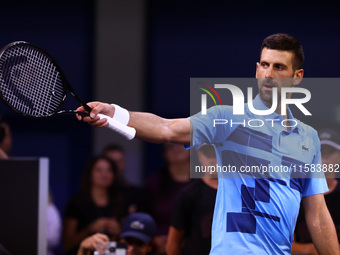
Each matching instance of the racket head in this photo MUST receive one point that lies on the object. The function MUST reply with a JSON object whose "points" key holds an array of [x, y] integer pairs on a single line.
{"points": [[31, 82]]}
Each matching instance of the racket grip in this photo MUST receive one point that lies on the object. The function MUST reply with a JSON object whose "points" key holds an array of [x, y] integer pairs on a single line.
{"points": [[128, 132]]}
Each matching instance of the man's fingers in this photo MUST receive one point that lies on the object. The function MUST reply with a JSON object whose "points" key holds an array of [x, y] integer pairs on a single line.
{"points": [[95, 122], [93, 119], [79, 117], [99, 122], [96, 109], [80, 109]]}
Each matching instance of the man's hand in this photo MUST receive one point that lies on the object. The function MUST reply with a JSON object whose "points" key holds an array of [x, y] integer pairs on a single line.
{"points": [[97, 107]]}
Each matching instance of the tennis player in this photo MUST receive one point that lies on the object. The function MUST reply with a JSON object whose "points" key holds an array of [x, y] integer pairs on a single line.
{"points": [[252, 215]]}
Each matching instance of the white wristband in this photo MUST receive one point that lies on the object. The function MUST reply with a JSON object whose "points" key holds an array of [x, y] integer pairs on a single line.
{"points": [[121, 114]]}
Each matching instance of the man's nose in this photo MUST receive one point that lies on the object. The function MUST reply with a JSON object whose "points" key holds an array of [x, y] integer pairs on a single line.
{"points": [[269, 72]]}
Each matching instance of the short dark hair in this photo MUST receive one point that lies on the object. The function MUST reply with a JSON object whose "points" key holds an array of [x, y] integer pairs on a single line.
{"points": [[286, 42]]}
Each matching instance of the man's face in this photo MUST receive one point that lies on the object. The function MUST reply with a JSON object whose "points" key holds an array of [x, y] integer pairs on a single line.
{"points": [[275, 69]]}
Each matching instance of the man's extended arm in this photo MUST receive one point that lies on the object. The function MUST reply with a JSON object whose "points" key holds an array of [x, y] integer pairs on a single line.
{"points": [[320, 225], [149, 127]]}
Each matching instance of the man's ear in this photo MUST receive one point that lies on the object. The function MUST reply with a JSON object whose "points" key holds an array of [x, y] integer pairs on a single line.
{"points": [[298, 76], [257, 67]]}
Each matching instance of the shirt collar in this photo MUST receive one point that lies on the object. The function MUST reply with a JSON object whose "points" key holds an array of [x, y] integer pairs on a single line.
{"points": [[260, 105]]}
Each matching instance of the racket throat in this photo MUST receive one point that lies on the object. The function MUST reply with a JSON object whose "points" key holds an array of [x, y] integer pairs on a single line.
{"points": [[87, 108]]}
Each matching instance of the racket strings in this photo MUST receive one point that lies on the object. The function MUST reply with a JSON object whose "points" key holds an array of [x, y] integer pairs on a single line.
{"points": [[30, 82], [9, 88], [44, 81]]}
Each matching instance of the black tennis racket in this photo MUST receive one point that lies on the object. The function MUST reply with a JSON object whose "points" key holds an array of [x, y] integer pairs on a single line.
{"points": [[33, 84]]}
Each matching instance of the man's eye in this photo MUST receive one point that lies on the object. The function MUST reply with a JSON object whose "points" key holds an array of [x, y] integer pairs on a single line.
{"points": [[279, 67], [264, 64]]}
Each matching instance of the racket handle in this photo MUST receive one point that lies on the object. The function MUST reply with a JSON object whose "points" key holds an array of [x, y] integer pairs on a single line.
{"points": [[128, 132]]}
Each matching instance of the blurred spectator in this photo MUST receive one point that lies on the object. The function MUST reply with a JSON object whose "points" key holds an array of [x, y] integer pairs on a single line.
{"points": [[5, 147], [330, 155], [3, 250], [130, 192], [161, 189], [5, 139], [97, 207], [95, 242], [53, 226], [192, 214], [117, 154], [138, 233]]}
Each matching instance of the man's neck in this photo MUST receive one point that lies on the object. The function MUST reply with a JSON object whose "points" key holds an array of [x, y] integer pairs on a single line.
{"points": [[278, 107], [278, 111]]}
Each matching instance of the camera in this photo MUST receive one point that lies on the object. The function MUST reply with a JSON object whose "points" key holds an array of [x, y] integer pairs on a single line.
{"points": [[114, 248]]}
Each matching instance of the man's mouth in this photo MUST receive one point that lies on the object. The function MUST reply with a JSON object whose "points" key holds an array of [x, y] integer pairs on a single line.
{"points": [[268, 86]]}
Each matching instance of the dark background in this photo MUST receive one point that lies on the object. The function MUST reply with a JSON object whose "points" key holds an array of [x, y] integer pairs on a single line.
{"points": [[183, 39], [27, 183]]}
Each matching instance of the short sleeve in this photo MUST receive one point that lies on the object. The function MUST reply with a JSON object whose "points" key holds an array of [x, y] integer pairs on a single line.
{"points": [[212, 127], [316, 183]]}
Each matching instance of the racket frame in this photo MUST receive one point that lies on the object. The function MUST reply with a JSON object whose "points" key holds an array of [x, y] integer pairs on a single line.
{"points": [[65, 83]]}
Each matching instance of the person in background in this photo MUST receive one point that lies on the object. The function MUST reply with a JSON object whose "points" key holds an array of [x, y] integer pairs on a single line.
{"points": [[330, 156], [54, 224], [97, 207], [5, 147], [5, 139], [192, 214], [138, 233], [161, 189], [130, 192]]}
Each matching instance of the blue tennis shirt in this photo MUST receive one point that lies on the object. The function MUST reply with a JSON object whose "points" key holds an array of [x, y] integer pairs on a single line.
{"points": [[257, 203]]}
